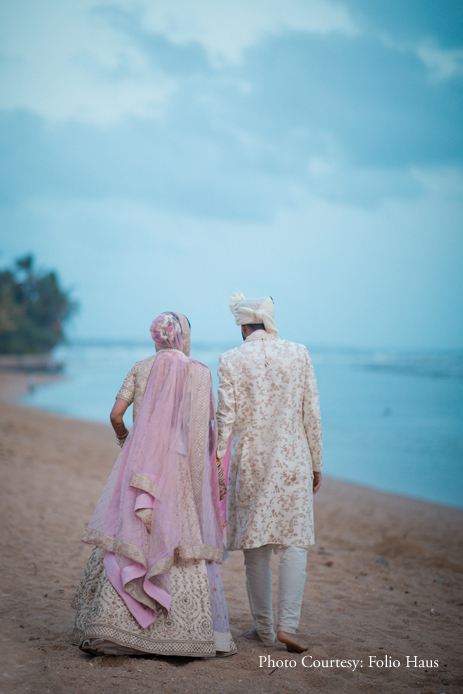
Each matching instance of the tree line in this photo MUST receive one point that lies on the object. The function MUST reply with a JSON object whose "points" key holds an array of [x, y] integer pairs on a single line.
{"points": [[33, 309]]}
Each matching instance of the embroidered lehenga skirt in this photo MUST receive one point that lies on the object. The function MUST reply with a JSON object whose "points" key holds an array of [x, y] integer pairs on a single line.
{"points": [[195, 626]]}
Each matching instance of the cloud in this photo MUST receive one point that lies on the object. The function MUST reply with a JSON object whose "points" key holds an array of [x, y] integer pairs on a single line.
{"points": [[68, 60], [346, 119], [145, 74], [61, 61], [410, 21], [433, 32], [226, 29], [194, 170], [443, 64], [145, 141], [351, 101]]}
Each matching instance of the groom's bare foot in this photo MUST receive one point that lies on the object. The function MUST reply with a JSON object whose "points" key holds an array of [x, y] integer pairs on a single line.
{"points": [[293, 645], [252, 635]]}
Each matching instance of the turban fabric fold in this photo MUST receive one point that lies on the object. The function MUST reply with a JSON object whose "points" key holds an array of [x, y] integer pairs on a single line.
{"points": [[248, 311]]}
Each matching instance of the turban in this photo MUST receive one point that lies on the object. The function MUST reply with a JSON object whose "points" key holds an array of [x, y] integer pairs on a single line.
{"points": [[254, 311]]}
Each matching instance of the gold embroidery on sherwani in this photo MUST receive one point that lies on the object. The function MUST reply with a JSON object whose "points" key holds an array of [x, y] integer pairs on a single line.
{"points": [[274, 414]]}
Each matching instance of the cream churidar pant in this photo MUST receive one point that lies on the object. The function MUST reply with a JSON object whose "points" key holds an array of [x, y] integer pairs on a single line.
{"points": [[291, 579]]}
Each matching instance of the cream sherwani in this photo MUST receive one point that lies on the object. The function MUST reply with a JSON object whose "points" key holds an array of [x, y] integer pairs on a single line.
{"points": [[268, 400]]}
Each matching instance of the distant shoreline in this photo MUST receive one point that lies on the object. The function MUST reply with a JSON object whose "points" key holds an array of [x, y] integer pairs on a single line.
{"points": [[15, 382], [31, 363]]}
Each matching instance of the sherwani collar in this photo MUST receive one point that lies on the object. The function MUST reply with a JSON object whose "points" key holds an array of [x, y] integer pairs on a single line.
{"points": [[260, 335]]}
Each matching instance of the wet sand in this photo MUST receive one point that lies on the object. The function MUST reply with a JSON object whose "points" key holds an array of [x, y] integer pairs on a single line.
{"points": [[384, 581]]}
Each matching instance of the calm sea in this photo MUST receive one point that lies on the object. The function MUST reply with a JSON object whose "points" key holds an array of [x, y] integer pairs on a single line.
{"points": [[391, 421]]}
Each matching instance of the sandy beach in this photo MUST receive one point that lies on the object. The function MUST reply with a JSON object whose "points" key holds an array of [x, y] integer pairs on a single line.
{"points": [[384, 581]]}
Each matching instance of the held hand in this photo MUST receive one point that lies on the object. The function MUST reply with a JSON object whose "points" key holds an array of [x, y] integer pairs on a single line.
{"points": [[317, 481], [222, 490], [221, 476]]}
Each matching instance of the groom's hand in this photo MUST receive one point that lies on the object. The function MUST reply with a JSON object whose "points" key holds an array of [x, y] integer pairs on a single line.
{"points": [[317, 481]]}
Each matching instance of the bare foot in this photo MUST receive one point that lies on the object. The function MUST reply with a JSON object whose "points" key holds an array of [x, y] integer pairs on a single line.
{"points": [[252, 635], [292, 643]]}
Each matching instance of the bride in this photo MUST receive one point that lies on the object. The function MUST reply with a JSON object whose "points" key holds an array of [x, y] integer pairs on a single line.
{"points": [[153, 583]]}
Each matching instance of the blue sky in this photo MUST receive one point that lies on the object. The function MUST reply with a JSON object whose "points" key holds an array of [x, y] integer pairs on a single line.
{"points": [[162, 155]]}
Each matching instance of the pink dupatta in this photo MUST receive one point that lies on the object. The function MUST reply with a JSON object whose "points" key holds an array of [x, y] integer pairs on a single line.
{"points": [[161, 502]]}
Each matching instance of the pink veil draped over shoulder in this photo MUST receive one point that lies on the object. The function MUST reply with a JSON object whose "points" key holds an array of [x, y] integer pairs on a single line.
{"points": [[161, 502]]}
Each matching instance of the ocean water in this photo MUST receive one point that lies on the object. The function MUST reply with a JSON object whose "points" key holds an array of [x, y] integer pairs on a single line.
{"points": [[391, 421]]}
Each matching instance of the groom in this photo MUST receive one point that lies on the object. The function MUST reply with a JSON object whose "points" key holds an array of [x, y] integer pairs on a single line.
{"points": [[268, 401]]}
